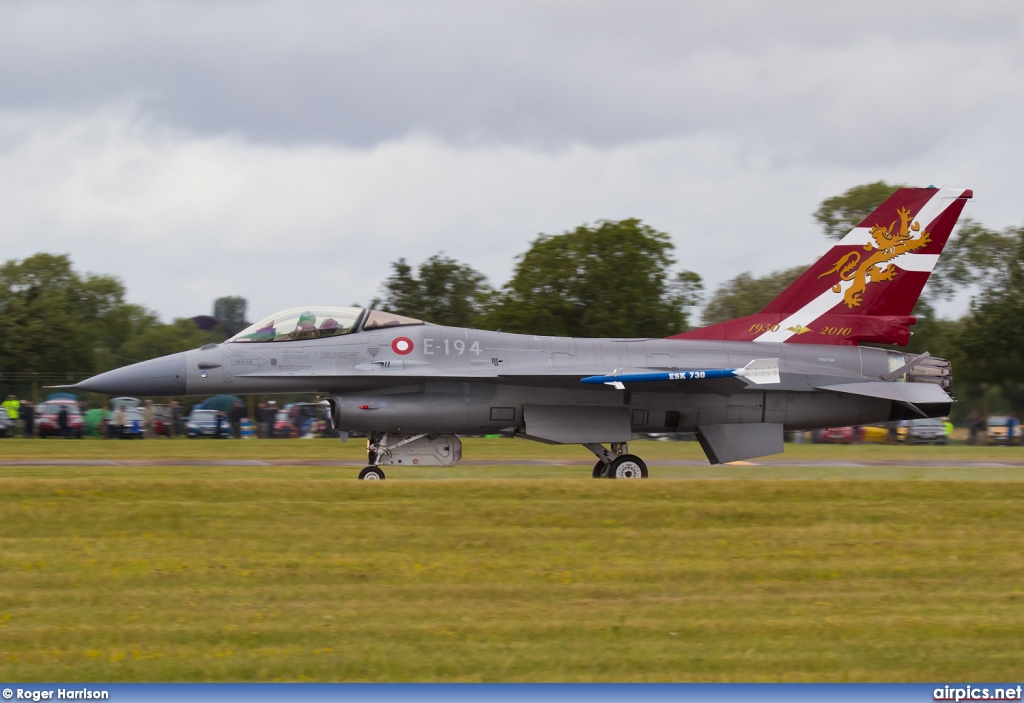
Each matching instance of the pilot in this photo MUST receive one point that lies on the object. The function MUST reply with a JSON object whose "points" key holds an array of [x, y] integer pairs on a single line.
{"points": [[306, 326], [329, 327]]}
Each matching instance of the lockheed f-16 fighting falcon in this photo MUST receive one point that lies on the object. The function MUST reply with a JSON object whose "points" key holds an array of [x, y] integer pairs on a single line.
{"points": [[798, 364]]}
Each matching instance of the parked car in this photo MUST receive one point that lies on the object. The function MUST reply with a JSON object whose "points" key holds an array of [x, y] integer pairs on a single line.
{"points": [[132, 428], [836, 435], [47, 422], [926, 430], [207, 423], [7, 427], [876, 434], [1001, 429]]}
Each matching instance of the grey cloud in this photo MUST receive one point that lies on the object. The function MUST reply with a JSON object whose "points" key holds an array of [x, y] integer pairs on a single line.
{"points": [[844, 83]]}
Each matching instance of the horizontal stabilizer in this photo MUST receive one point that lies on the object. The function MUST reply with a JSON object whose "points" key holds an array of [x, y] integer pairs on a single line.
{"points": [[912, 393]]}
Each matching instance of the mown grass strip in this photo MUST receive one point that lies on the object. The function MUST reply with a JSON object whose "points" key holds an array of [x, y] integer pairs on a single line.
{"points": [[201, 576]]}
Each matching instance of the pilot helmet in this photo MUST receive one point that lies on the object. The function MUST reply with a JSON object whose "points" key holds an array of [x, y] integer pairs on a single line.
{"points": [[307, 318]]}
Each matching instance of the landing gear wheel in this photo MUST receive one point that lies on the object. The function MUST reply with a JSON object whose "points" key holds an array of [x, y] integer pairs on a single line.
{"points": [[627, 466], [599, 470], [371, 473]]}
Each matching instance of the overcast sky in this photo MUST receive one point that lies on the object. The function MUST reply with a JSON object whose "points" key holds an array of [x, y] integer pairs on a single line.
{"points": [[289, 151]]}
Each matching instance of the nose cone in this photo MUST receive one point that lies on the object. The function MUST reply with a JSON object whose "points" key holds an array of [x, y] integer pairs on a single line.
{"points": [[162, 376]]}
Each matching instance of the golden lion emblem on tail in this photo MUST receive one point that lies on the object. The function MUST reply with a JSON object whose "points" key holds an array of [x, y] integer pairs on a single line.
{"points": [[876, 267]]}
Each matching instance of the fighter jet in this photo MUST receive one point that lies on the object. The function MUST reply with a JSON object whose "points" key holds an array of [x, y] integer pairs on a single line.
{"points": [[799, 364]]}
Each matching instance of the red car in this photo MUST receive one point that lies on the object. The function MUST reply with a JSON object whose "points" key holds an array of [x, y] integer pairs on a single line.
{"points": [[46, 418], [837, 435]]}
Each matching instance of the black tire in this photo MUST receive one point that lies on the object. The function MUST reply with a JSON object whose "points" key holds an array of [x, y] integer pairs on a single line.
{"points": [[599, 469], [371, 473], [627, 466]]}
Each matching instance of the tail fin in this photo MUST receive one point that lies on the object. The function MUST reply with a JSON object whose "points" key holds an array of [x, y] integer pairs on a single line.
{"points": [[865, 288]]}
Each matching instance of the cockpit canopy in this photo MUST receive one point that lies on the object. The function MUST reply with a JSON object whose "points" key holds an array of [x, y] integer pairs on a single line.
{"points": [[318, 322]]}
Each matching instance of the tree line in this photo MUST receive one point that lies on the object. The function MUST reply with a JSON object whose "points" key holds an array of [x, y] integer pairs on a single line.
{"points": [[56, 322], [609, 279]]}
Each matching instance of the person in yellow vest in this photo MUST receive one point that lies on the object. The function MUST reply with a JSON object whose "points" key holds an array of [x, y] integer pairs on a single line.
{"points": [[948, 426], [12, 406]]}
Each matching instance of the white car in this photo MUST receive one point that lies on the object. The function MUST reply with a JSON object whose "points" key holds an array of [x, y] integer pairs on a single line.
{"points": [[7, 427], [926, 430]]}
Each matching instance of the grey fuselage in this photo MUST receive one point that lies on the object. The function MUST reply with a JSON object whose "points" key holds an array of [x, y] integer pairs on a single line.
{"points": [[434, 379]]}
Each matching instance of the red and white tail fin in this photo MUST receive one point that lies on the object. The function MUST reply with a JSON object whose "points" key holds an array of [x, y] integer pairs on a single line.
{"points": [[865, 288]]}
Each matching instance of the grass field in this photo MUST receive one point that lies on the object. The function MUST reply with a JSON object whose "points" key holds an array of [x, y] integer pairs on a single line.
{"points": [[290, 573]]}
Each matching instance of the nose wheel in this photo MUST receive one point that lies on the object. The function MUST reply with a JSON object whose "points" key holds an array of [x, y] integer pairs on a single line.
{"points": [[371, 473]]}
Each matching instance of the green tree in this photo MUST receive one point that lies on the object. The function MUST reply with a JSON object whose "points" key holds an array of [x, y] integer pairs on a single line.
{"points": [[841, 213], [974, 257], [610, 280], [160, 340], [230, 312], [746, 294], [443, 291], [51, 318], [993, 330]]}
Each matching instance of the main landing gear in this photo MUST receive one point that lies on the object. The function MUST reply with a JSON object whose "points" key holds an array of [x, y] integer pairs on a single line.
{"points": [[616, 462]]}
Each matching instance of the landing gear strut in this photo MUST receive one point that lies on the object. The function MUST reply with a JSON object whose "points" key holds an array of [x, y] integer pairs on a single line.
{"points": [[616, 462]]}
